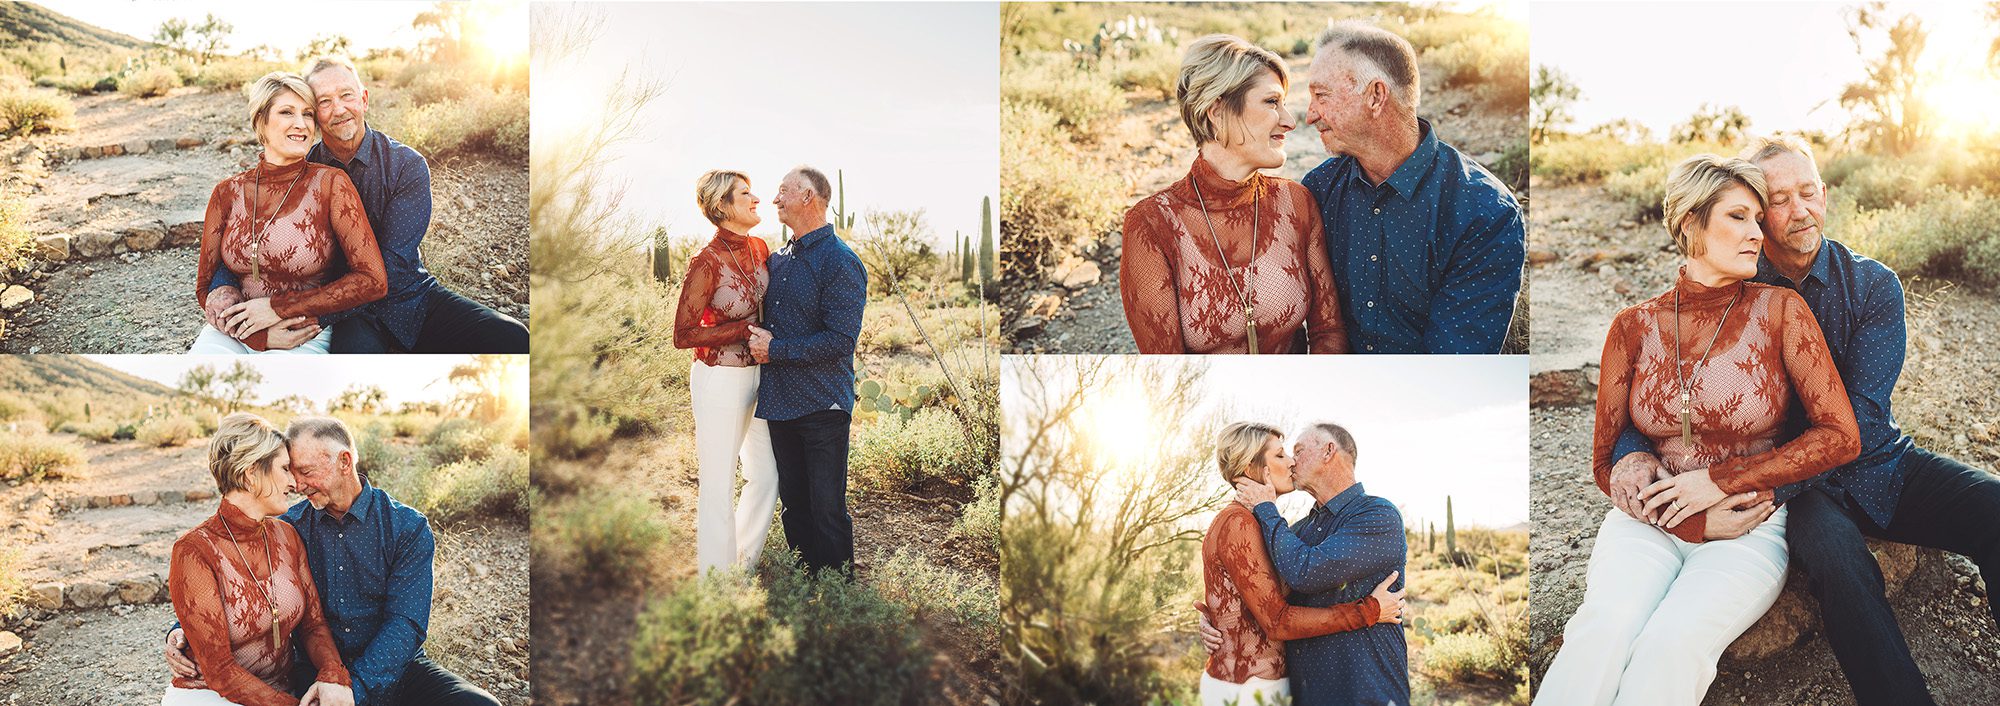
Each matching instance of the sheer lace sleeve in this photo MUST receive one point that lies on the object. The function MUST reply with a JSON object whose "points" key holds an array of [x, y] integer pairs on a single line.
{"points": [[1249, 567], [693, 326], [197, 594], [1324, 327], [1146, 282], [214, 301], [1832, 438], [365, 280], [1616, 372]]}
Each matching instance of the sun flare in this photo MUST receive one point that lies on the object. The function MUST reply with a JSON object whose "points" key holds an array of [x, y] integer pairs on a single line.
{"points": [[1119, 425]]}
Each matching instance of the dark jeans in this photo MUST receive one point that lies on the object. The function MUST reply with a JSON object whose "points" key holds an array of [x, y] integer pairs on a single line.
{"points": [[423, 683], [1946, 505], [811, 452], [452, 324]]}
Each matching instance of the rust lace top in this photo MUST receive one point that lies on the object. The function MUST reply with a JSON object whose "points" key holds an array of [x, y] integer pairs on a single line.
{"points": [[725, 284], [1770, 348], [1247, 604], [317, 257], [1179, 298], [228, 620]]}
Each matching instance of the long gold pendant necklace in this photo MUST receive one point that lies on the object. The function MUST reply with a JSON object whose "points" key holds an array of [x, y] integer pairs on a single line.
{"points": [[1243, 291], [742, 271], [1686, 384], [270, 570], [259, 235]]}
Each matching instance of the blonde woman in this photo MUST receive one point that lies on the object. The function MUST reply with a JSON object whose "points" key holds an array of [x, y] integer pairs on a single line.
{"points": [[1230, 260], [1707, 371], [1241, 594], [721, 300], [241, 586], [293, 232]]}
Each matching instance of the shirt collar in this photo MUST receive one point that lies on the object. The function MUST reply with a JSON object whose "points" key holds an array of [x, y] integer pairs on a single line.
{"points": [[1411, 172], [363, 504], [810, 239], [1821, 270], [361, 152], [1337, 505]]}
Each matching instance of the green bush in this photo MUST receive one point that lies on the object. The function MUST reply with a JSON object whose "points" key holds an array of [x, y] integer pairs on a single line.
{"points": [[1946, 233], [101, 431], [1051, 198], [456, 440], [29, 111], [484, 122], [13, 406], [604, 534], [233, 74], [80, 83], [168, 430], [373, 456], [577, 433], [34, 456], [932, 591], [896, 455], [1466, 656], [979, 520], [1080, 98], [494, 486], [150, 81], [707, 641], [1496, 62], [406, 426], [1643, 192], [12, 587]]}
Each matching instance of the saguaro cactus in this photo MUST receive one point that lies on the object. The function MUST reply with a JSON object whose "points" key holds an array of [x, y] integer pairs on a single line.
{"points": [[988, 259], [1450, 531]]}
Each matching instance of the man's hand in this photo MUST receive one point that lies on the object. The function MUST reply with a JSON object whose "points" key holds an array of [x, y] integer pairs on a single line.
{"points": [[1252, 493], [1736, 516], [1390, 602], [327, 694], [1211, 638], [760, 344], [291, 333], [177, 660], [1630, 476], [249, 317], [1680, 497]]}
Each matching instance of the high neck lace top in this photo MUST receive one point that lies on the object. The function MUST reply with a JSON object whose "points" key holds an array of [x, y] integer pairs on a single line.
{"points": [[227, 618], [1179, 296], [1769, 351], [314, 253], [1247, 603], [726, 282]]}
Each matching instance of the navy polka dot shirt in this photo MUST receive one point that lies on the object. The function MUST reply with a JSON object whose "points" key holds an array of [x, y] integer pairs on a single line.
{"points": [[813, 311], [1336, 555], [373, 569]]}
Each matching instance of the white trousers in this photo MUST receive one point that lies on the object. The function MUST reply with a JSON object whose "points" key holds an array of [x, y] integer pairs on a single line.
{"points": [[725, 430], [176, 696], [213, 342], [1664, 607], [1216, 692]]}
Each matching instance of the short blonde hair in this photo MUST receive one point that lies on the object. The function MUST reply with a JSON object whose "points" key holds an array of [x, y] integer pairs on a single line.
{"points": [[242, 441], [1221, 68], [717, 189], [1693, 187], [1768, 146], [1240, 446], [265, 90]]}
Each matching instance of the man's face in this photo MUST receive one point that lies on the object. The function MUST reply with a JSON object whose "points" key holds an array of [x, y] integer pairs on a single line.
{"points": [[1314, 454], [1335, 109], [1795, 212], [342, 103], [792, 198], [317, 470]]}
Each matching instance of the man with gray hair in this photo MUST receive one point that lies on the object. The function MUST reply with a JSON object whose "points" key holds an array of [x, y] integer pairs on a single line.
{"points": [[1426, 245], [1895, 490], [371, 561], [1349, 543], [812, 320]]}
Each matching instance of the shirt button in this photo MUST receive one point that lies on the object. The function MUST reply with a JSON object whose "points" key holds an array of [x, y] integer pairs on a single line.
{"points": [[1378, 211], [1371, 303], [1372, 258], [1371, 346]]}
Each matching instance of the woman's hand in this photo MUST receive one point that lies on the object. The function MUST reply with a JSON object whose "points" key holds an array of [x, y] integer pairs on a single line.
{"points": [[249, 317], [1252, 493], [1390, 602], [1683, 496], [1737, 516], [327, 694]]}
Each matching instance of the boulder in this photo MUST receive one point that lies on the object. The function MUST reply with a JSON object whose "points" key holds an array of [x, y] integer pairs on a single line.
{"points": [[46, 596], [1796, 613], [54, 248], [136, 147], [184, 227], [10, 643], [145, 234], [90, 594], [140, 590], [163, 144], [199, 495], [15, 296], [1075, 273], [187, 142], [112, 150], [1563, 388], [145, 497], [98, 243]]}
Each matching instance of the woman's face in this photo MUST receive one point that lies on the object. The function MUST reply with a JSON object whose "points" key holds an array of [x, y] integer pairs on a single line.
{"points": [[1277, 469], [288, 128], [275, 479], [1728, 244], [1257, 134], [740, 214]]}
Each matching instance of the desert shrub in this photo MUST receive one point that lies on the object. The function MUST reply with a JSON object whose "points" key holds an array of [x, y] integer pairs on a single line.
{"points": [[934, 590], [168, 430], [1465, 656], [233, 74], [1462, 614], [494, 486], [707, 641], [13, 406], [34, 456], [577, 432], [1152, 67], [1642, 192], [979, 520], [12, 586], [896, 455], [424, 84], [1590, 158], [27, 111], [406, 426], [458, 440], [150, 81], [483, 122], [80, 83], [603, 534], [1078, 97], [373, 456], [101, 431], [1498, 61], [1050, 198], [1946, 233], [1512, 167]]}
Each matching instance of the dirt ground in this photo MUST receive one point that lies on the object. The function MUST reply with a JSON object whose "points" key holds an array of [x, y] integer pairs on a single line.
{"points": [[112, 655], [1598, 261], [142, 302], [1150, 146]]}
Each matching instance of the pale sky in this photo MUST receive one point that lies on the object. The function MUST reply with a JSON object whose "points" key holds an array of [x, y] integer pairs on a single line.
{"points": [[406, 378], [285, 26], [903, 97], [1783, 63]]}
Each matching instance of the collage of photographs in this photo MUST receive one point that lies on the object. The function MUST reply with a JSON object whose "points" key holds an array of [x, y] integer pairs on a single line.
{"points": [[1000, 429]]}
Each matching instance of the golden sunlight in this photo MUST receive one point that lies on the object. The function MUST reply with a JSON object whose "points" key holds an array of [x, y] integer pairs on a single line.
{"points": [[1963, 91], [1119, 424], [501, 31]]}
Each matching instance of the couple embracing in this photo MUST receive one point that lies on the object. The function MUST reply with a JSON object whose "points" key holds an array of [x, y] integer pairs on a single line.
{"points": [[772, 381], [326, 602], [316, 249], [1771, 325], [1288, 612], [1397, 243]]}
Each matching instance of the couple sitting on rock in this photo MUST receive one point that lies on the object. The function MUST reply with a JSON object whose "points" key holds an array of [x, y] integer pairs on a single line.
{"points": [[316, 249]]}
